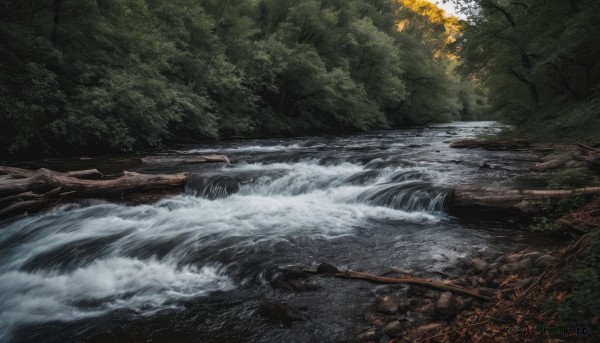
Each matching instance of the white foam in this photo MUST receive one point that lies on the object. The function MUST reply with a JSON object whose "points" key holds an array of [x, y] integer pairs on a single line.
{"points": [[241, 149], [120, 277], [105, 285], [43, 279]]}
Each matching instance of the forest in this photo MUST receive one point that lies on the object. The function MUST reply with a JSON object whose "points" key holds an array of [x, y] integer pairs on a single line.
{"points": [[538, 62], [94, 76], [116, 75]]}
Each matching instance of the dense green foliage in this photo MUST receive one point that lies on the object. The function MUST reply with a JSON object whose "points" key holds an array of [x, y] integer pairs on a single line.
{"points": [[570, 178], [550, 211], [582, 282], [98, 75], [539, 62]]}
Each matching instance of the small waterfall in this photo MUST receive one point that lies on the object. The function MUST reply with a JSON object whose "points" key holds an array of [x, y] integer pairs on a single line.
{"points": [[212, 186], [400, 188], [410, 197]]}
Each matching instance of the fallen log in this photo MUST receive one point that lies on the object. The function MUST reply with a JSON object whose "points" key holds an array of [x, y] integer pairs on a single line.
{"points": [[467, 198], [551, 164], [587, 148], [28, 201], [22, 207], [26, 190], [44, 180], [19, 173], [186, 159]]}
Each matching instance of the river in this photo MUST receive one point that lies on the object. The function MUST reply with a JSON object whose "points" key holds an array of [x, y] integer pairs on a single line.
{"points": [[198, 267]]}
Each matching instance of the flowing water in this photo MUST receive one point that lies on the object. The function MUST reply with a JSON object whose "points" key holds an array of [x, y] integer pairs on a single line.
{"points": [[201, 266]]}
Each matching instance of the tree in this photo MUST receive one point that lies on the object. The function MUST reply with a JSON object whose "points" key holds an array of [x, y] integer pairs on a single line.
{"points": [[532, 55], [114, 75]]}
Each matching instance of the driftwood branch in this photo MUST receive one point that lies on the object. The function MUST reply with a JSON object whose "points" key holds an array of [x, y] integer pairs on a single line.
{"points": [[439, 285], [329, 270], [587, 147]]}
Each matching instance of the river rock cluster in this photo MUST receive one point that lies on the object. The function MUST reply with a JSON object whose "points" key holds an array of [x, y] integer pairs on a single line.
{"points": [[405, 314]]}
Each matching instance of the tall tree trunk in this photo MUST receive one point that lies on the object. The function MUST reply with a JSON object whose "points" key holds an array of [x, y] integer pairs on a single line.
{"points": [[56, 7], [535, 94], [31, 13], [573, 5]]}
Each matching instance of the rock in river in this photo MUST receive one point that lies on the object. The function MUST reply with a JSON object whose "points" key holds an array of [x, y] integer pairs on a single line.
{"points": [[446, 304], [479, 266], [394, 329], [387, 305], [281, 312], [544, 261]]}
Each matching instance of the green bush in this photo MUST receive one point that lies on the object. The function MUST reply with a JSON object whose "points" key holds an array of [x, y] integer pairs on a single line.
{"points": [[550, 211], [570, 178], [582, 305], [120, 75]]}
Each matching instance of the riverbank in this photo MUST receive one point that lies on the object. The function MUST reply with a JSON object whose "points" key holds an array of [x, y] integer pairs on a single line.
{"points": [[534, 296]]}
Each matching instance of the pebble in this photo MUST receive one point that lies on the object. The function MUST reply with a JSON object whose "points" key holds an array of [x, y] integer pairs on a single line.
{"points": [[490, 278], [513, 258], [478, 265], [326, 268], [367, 336], [488, 292], [501, 259], [387, 305], [424, 329], [376, 319], [523, 264], [533, 255], [525, 283], [544, 261], [446, 304], [394, 329]]}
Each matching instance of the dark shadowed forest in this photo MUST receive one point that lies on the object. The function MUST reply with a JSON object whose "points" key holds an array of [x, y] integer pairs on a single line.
{"points": [[538, 62], [113, 75], [94, 76]]}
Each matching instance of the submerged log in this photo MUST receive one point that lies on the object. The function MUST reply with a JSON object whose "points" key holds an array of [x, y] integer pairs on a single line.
{"points": [[23, 190], [512, 144], [186, 159]]}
